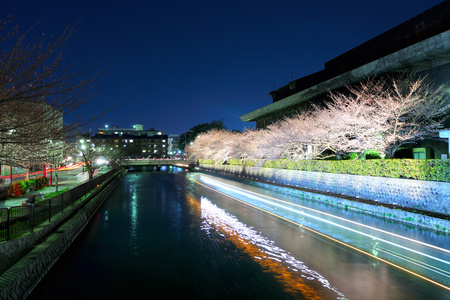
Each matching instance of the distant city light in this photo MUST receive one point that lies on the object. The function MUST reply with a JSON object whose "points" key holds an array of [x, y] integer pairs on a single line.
{"points": [[106, 126], [100, 161]]}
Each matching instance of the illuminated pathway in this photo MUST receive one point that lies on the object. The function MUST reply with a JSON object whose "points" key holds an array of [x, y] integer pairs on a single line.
{"points": [[416, 256]]}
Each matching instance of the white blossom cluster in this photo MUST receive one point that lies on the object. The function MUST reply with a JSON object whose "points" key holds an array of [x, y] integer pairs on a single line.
{"points": [[378, 114]]}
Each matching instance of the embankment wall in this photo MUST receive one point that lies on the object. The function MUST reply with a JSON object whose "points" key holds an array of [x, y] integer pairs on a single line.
{"points": [[19, 280], [425, 196]]}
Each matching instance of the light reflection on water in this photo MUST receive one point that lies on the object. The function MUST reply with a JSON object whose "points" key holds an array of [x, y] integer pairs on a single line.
{"points": [[133, 241], [291, 272]]}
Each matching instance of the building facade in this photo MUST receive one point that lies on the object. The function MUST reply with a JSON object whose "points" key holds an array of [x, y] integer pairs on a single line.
{"points": [[173, 145], [133, 142], [420, 45]]}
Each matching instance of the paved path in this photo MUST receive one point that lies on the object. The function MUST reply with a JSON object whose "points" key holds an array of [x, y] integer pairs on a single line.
{"points": [[67, 181]]}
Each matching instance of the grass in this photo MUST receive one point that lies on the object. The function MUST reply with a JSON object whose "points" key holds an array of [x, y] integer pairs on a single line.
{"points": [[55, 193]]}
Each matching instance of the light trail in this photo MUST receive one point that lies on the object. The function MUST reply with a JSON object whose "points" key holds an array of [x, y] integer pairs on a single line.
{"points": [[262, 250], [416, 262], [245, 193], [259, 198], [329, 237]]}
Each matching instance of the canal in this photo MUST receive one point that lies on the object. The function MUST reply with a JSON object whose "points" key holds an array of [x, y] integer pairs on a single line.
{"points": [[179, 235]]}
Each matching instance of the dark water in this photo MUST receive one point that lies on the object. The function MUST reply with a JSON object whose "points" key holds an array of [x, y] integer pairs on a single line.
{"points": [[162, 236]]}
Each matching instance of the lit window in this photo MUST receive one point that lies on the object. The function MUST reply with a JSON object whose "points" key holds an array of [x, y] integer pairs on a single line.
{"points": [[164, 141], [116, 141], [131, 141], [155, 151], [159, 133], [164, 146], [125, 141], [144, 151]]}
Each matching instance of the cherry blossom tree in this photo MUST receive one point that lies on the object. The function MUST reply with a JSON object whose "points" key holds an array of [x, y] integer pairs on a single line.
{"points": [[378, 114], [383, 113], [36, 90], [250, 144], [296, 137]]}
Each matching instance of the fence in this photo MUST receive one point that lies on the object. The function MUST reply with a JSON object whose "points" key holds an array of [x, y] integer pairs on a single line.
{"points": [[20, 219]]}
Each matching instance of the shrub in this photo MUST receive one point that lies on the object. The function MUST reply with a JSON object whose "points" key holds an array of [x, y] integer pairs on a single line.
{"points": [[421, 169], [19, 188], [40, 182]]}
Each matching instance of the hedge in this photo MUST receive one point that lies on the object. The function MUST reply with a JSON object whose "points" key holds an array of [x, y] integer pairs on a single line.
{"points": [[421, 169]]}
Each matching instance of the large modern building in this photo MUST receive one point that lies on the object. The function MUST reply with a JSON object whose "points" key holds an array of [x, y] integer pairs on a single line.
{"points": [[420, 45], [133, 142]]}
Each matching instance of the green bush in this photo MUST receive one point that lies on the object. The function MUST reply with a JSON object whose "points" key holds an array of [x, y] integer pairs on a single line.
{"points": [[421, 169], [19, 188]]}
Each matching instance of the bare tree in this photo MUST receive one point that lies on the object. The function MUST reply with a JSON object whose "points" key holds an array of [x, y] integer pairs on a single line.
{"points": [[114, 155], [89, 153], [38, 89]]}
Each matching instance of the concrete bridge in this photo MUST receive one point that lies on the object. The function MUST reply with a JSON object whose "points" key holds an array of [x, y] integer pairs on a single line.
{"points": [[160, 162]]}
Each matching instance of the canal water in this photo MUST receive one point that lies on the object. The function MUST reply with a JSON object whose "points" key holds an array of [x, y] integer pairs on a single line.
{"points": [[164, 235]]}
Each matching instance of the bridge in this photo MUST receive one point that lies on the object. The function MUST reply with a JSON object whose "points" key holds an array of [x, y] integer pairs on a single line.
{"points": [[188, 164]]}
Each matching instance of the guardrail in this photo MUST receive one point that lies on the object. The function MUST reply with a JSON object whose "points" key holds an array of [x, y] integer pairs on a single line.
{"points": [[20, 219]]}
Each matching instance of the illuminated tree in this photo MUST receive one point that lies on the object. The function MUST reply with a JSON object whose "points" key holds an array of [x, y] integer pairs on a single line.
{"points": [[382, 114], [378, 114], [89, 153], [36, 90], [249, 144], [295, 137]]}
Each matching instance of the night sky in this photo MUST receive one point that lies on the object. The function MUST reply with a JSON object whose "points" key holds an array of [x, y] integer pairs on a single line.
{"points": [[174, 64]]}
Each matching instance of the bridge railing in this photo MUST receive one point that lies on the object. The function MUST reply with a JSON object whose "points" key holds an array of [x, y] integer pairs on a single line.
{"points": [[157, 162]]}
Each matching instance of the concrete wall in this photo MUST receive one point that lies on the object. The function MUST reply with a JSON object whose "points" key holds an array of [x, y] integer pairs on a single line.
{"points": [[425, 195], [18, 280]]}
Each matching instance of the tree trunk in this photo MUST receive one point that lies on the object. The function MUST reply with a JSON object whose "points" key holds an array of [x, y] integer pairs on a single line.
{"points": [[56, 179], [90, 171]]}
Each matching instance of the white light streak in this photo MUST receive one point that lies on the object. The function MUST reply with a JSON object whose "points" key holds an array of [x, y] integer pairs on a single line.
{"points": [[263, 199], [258, 197]]}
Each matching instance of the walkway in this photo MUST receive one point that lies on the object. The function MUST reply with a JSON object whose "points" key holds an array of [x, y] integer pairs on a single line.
{"points": [[67, 182]]}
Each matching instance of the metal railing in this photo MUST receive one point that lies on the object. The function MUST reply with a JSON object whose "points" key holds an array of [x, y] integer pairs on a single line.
{"points": [[21, 219]]}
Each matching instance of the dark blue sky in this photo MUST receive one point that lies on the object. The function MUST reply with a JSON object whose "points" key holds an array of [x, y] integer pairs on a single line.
{"points": [[174, 64]]}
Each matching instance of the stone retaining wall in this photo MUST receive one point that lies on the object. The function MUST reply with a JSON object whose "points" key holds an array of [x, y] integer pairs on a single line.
{"points": [[424, 195], [19, 280]]}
